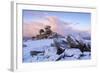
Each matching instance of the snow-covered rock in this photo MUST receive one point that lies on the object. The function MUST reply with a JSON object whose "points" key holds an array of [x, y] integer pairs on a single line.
{"points": [[47, 46], [75, 52]]}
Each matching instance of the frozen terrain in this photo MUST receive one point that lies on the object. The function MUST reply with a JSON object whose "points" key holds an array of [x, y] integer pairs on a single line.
{"points": [[45, 50]]}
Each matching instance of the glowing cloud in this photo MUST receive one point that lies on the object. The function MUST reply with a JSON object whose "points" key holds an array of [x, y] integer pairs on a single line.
{"points": [[32, 28]]}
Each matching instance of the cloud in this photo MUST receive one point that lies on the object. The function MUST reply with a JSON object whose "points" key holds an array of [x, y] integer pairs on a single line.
{"points": [[32, 28]]}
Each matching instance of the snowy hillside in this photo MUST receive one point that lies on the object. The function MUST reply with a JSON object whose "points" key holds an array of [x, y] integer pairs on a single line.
{"points": [[56, 49]]}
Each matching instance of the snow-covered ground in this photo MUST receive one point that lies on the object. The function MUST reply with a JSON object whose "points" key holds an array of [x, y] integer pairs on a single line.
{"points": [[49, 52]]}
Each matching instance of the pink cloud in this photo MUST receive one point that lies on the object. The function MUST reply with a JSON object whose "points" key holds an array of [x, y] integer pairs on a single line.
{"points": [[32, 28]]}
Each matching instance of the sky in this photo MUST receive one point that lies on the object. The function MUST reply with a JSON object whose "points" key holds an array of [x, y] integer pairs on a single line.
{"points": [[32, 20]]}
